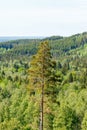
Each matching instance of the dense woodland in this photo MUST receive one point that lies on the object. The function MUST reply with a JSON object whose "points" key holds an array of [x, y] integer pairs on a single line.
{"points": [[65, 83]]}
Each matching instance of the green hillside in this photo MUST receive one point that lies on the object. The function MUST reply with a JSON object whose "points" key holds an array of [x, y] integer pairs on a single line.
{"points": [[65, 72], [59, 45]]}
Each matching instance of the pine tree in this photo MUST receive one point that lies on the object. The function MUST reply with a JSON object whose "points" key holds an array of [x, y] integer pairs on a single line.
{"points": [[42, 76]]}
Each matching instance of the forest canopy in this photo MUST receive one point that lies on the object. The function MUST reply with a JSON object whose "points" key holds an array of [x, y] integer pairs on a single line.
{"points": [[65, 73]]}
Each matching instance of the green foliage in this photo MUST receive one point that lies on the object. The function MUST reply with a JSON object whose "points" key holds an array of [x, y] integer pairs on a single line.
{"points": [[13, 124], [65, 119], [65, 103], [42, 70], [84, 122]]}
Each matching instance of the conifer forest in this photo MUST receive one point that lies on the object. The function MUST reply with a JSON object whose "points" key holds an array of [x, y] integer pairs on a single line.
{"points": [[43, 83]]}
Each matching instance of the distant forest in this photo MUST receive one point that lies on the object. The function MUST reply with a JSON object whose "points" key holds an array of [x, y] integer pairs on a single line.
{"points": [[57, 63]]}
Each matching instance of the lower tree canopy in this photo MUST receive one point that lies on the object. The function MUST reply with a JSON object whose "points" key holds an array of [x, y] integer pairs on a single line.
{"points": [[56, 69]]}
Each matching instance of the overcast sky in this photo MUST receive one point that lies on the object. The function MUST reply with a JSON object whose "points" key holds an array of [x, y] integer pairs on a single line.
{"points": [[42, 17]]}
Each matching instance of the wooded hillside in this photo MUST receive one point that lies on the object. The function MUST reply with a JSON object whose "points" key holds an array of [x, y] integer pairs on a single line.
{"points": [[65, 74]]}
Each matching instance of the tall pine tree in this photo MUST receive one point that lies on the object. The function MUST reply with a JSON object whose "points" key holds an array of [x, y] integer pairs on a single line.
{"points": [[42, 76]]}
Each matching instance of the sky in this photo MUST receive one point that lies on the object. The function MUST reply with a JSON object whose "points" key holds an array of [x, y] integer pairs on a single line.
{"points": [[42, 17]]}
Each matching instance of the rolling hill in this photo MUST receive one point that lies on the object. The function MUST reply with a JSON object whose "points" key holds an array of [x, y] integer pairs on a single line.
{"points": [[66, 109]]}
